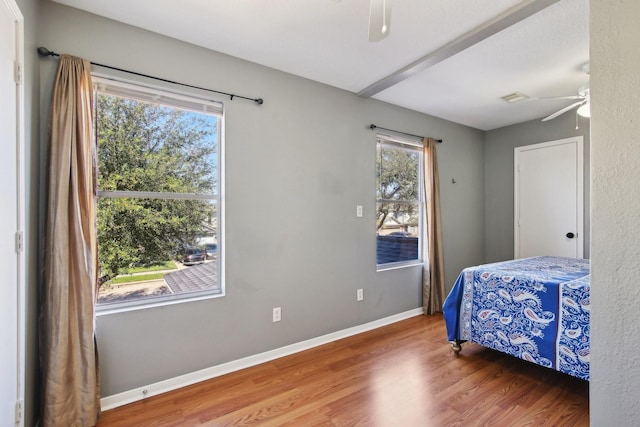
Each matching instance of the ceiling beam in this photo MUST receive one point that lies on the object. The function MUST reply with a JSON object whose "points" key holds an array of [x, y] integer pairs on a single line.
{"points": [[506, 19]]}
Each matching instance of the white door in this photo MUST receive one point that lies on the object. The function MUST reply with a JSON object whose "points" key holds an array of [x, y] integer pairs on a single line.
{"points": [[549, 199], [11, 259]]}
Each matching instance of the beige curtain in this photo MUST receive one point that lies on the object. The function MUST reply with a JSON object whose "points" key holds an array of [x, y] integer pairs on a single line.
{"points": [[433, 286], [68, 352]]}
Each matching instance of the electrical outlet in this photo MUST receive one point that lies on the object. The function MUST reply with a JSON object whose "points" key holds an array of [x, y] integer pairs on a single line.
{"points": [[277, 314], [360, 294]]}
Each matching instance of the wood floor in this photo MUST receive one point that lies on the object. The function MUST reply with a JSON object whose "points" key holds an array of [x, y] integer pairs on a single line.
{"points": [[400, 375]]}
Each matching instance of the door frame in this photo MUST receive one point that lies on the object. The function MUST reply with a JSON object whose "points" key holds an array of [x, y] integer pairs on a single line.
{"points": [[12, 7], [579, 142]]}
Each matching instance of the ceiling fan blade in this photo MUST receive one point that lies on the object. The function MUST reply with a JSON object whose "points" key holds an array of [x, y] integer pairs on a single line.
{"points": [[560, 97], [564, 110], [379, 19]]}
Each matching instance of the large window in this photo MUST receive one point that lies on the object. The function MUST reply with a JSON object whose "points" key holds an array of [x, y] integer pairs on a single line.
{"points": [[399, 202], [159, 195]]}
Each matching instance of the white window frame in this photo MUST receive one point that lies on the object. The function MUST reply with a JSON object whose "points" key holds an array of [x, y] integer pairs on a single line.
{"points": [[186, 101], [416, 145]]}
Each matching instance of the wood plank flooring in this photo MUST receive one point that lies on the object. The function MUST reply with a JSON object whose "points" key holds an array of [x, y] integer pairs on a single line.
{"points": [[403, 374]]}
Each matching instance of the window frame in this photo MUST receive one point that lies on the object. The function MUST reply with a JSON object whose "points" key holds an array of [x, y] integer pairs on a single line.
{"points": [[407, 144], [188, 101]]}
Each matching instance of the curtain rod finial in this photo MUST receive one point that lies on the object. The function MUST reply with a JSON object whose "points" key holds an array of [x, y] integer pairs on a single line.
{"points": [[43, 51], [259, 101], [372, 126]]}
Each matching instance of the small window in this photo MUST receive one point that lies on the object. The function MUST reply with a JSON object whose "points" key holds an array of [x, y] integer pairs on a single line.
{"points": [[398, 202], [159, 216]]}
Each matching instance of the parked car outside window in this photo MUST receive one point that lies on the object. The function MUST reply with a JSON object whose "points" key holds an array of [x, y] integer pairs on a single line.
{"points": [[193, 256], [211, 249]]}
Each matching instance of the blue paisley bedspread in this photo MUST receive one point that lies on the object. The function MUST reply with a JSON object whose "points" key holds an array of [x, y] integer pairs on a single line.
{"points": [[536, 309]]}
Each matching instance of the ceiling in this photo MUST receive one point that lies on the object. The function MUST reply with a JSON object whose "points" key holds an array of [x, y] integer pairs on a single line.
{"points": [[463, 55]]}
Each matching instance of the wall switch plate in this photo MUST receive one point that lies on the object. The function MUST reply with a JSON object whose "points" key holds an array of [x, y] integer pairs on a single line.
{"points": [[277, 314], [359, 211], [360, 294]]}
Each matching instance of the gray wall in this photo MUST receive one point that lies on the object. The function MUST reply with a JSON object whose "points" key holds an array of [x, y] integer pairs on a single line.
{"points": [[296, 168], [498, 165], [615, 213]]}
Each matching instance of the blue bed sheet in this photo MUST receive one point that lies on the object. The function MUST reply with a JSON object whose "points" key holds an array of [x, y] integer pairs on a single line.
{"points": [[536, 309]]}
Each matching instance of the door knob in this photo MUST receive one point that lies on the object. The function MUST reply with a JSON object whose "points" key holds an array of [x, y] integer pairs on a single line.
{"points": [[570, 235]]}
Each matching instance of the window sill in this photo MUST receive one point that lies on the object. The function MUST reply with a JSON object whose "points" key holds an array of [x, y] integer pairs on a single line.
{"points": [[398, 265], [123, 307]]}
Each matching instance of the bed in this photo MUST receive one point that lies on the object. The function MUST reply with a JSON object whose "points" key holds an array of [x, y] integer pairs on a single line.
{"points": [[536, 309]]}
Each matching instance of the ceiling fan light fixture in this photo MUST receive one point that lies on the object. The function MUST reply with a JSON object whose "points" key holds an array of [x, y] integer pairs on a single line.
{"points": [[379, 19], [585, 110]]}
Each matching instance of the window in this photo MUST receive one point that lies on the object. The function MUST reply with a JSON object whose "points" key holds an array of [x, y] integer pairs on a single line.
{"points": [[159, 216], [398, 202]]}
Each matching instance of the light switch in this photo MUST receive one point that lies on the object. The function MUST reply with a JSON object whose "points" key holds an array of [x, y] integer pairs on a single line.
{"points": [[359, 211]]}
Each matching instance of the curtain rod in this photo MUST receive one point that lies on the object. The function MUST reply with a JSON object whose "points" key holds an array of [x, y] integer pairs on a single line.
{"points": [[372, 126], [43, 51]]}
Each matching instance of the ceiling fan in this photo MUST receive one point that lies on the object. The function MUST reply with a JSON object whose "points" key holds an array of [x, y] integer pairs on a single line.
{"points": [[379, 19], [583, 101], [583, 104]]}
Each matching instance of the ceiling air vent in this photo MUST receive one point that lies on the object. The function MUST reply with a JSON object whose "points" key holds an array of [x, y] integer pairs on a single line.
{"points": [[514, 97]]}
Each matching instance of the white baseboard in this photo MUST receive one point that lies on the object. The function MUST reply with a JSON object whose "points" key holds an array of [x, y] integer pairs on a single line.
{"points": [[113, 401]]}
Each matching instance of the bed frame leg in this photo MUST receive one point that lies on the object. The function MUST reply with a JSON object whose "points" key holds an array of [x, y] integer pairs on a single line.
{"points": [[456, 346]]}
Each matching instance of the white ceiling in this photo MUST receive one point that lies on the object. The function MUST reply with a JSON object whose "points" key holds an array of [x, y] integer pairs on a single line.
{"points": [[326, 41]]}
